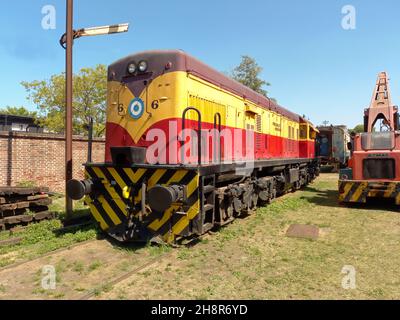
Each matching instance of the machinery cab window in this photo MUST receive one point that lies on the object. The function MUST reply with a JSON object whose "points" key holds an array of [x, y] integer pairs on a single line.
{"points": [[378, 141], [312, 133], [303, 131]]}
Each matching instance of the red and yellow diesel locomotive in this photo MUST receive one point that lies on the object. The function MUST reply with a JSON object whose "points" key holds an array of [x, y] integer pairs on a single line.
{"points": [[189, 149]]}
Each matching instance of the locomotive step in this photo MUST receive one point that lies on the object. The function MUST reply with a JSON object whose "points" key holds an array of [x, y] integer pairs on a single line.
{"points": [[208, 189], [208, 207]]}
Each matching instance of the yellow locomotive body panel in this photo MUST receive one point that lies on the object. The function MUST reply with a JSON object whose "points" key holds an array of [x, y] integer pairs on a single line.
{"points": [[176, 90]]}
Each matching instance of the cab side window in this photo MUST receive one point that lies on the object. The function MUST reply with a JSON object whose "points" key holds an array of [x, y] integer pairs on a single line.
{"points": [[303, 131]]}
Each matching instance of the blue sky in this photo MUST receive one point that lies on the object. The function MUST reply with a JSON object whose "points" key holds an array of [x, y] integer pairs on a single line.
{"points": [[315, 66]]}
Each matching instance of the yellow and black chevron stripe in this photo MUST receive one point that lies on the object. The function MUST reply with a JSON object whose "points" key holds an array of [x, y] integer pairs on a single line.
{"points": [[110, 206], [359, 191]]}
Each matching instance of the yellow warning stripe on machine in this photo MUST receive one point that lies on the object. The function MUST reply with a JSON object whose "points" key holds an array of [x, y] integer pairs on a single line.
{"points": [[358, 191], [110, 208]]}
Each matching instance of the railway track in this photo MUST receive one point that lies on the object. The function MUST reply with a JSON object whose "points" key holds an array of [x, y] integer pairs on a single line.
{"points": [[12, 275], [67, 227], [17, 264], [110, 283], [91, 293]]}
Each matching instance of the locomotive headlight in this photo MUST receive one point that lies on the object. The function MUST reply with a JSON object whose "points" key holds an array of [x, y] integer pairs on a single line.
{"points": [[132, 68], [142, 66]]}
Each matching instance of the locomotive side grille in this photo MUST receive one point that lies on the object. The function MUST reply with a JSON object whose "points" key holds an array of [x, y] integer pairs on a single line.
{"points": [[259, 123], [259, 130]]}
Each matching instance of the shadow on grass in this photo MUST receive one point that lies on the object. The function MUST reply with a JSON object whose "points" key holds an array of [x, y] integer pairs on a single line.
{"points": [[83, 222], [155, 248], [326, 198], [78, 214], [329, 198], [85, 227], [327, 169], [377, 204]]}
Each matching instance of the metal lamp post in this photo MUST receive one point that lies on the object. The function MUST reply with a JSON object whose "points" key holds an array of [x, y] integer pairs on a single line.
{"points": [[66, 42]]}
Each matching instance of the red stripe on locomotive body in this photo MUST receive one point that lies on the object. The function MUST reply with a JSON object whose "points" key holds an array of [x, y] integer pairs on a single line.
{"points": [[265, 146], [307, 149]]}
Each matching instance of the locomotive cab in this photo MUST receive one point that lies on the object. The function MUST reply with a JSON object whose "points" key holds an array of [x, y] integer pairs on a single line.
{"points": [[307, 141]]}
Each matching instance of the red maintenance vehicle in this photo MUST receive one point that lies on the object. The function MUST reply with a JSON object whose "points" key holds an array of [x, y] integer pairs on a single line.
{"points": [[374, 166]]}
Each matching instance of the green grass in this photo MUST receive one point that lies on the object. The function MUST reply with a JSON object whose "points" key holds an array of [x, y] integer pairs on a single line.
{"points": [[59, 295], [41, 238], [58, 204], [122, 295], [184, 254], [95, 265], [253, 259], [157, 250], [124, 266], [102, 289], [78, 267], [26, 184]]}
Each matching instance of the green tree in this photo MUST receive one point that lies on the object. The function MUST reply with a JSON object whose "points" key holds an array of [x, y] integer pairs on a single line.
{"points": [[358, 128], [248, 73], [90, 90], [18, 111]]}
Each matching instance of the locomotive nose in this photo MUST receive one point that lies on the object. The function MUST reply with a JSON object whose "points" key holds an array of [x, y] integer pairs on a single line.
{"points": [[77, 189]]}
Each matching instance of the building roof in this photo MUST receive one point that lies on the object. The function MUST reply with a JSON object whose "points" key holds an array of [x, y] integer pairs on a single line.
{"points": [[16, 117]]}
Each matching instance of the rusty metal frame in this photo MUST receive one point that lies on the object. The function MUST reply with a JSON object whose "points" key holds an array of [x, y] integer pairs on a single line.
{"points": [[68, 104]]}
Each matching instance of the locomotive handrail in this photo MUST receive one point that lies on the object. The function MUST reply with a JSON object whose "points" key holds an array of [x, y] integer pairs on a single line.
{"points": [[217, 115], [198, 129]]}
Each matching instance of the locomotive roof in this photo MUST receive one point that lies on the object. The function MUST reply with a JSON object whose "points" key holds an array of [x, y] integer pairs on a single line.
{"points": [[182, 61]]}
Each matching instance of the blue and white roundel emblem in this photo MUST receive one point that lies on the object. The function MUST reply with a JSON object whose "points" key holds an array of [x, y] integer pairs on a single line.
{"points": [[136, 108]]}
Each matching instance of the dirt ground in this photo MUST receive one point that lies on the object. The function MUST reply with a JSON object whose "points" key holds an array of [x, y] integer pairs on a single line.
{"points": [[250, 259], [85, 268]]}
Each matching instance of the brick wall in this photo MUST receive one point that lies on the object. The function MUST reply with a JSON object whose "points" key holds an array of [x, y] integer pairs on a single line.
{"points": [[40, 158]]}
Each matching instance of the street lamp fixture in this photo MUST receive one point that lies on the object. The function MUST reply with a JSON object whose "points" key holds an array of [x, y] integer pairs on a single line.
{"points": [[96, 31]]}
